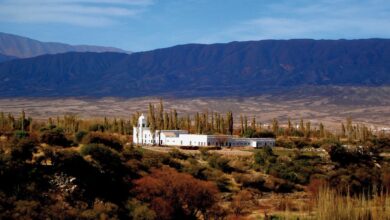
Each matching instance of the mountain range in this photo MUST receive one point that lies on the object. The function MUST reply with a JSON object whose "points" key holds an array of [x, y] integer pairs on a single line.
{"points": [[231, 69], [22, 47]]}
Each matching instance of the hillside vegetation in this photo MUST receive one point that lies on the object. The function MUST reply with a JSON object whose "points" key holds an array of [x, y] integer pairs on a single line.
{"points": [[68, 168]]}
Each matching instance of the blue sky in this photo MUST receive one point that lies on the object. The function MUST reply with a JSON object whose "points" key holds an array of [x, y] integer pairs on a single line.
{"points": [[139, 25]]}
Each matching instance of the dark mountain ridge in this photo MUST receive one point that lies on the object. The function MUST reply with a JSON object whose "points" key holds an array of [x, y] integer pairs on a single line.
{"points": [[23, 47], [236, 68]]}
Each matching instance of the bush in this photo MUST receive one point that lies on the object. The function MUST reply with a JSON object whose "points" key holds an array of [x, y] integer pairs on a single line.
{"points": [[264, 134], [264, 156], [284, 143], [107, 158], [176, 195], [23, 149], [172, 162], [285, 187], [196, 170], [132, 153], [20, 134], [250, 181], [71, 163], [301, 143], [105, 139], [97, 127], [140, 211], [79, 136], [250, 133], [220, 179], [55, 137], [189, 147], [219, 162], [175, 153]]}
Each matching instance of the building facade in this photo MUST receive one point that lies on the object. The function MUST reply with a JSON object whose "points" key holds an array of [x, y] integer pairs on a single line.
{"points": [[143, 135]]}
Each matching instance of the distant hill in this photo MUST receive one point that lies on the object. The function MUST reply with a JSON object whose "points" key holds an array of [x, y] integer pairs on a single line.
{"points": [[237, 68], [4, 58], [22, 47]]}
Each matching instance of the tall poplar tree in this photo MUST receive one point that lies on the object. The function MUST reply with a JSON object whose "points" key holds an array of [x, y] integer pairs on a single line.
{"points": [[253, 124], [275, 126], [242, 125], [230, 122], [307, 129], [161, 115]]}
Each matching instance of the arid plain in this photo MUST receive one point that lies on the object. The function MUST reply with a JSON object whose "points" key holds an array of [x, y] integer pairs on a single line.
{"points": [[315, 108]]}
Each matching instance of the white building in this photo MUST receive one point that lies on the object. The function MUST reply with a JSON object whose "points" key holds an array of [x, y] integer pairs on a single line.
{"points": [[143, 135]]}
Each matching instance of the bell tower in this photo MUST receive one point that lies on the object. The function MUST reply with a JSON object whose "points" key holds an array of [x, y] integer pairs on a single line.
{"points": [[138, 131]]}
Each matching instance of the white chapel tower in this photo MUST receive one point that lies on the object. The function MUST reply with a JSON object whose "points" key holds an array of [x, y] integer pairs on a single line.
{"points": [[138, 131]]}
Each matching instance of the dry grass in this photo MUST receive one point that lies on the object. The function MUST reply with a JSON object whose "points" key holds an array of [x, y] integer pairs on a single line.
{"points": [[326, 205], [332, 205]]}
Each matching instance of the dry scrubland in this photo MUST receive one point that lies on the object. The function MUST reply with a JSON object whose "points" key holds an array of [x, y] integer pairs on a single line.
{"points": [[71, 168], [316, 201], [68, 167], [265, 108]]}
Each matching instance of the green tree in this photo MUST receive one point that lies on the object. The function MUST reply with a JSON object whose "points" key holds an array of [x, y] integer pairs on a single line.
{"points": [[229, 118], [275, 126], [307, 129], [242, 125], [301, 126], [253, 124], [322, 131]]}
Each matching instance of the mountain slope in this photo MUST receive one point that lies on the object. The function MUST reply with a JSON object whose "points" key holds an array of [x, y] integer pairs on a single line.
{"points": [[253, 66], [22, 47], [237, 68], [4, 58], [55, 75]]}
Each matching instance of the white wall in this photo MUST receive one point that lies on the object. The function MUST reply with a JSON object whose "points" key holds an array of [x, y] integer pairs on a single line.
{"points": [[193, 139]]}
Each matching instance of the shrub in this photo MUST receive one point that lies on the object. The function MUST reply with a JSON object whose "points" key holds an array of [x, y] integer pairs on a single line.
{"points": [[105, 139], [284, 143], [175, 195], [250, 133], [264, 156], [107, 158], [140, 211], [23, 149], [243, 202], [172, 162], [175, 153], [285, 187], [301, 143], [189, 147], [218, 162], [250, 181], [132, 153], [264, 134], [196, 170], [220, 179], [55, 137], [20, 134], [70, 162], [97, 127], [79, 136]]}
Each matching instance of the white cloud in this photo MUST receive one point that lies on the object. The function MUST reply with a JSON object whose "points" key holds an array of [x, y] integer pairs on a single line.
{"points": [[74, 12], [312, 19]]}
